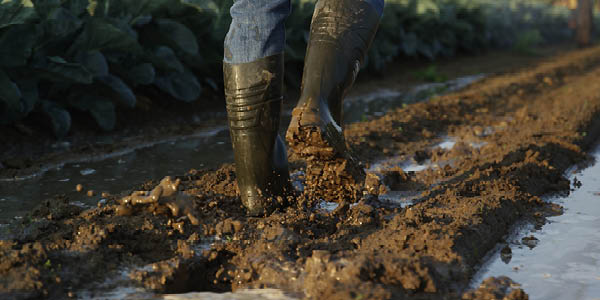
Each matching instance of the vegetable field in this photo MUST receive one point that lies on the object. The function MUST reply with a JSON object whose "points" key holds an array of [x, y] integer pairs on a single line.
{"points": [[59, 57]]}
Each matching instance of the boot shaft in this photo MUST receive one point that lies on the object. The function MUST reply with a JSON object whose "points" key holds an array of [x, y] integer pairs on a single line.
{"points": [[254, 95], [340, 36]]}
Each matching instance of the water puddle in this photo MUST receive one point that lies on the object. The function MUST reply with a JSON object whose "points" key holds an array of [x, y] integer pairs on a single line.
{"points": [[400, 199], [115, 173], [379, 102], [562, 260], [327, 206], [411, 165]]}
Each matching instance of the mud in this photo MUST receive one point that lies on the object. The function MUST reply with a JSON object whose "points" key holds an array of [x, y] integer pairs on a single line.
{"points": [[516, 136]]}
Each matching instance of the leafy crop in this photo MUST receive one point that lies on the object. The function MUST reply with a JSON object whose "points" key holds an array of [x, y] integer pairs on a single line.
{"points": [[89, 56], [93, 56]]}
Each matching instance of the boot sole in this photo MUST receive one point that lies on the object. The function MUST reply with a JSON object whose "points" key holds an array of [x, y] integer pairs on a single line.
{"points": [[314, 141]]}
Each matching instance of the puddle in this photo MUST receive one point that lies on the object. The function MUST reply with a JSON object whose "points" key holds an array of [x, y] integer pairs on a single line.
{"points": [[410, 165], [327, 206], [113, 174], [379, 102], [205, 244], [400, 199], [562, 260]]}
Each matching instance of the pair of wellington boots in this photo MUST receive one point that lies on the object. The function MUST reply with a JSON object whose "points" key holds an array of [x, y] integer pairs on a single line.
{"points": [[341, 33]]}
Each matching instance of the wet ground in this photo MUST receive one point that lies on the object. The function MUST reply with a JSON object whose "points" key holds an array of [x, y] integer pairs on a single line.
{"points": [[207, 148], [562, 259], [112, 174], [468, 166]]}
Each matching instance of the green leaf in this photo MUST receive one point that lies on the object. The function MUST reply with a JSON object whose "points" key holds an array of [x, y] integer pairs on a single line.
{"points": [[142, 74], [61, 22], [45, 7], [29, 89], [10, 99], [183, 86], [17, 44], [410, 44], [119, 88], [56, 69], [94, 61], [99, 34], [77, 7], [165, 59], [178, 35], [101, 109], [16, 12], [60, 119]]}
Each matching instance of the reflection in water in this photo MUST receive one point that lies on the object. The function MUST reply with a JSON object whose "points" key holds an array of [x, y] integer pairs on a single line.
{"points": [[562, 260]]}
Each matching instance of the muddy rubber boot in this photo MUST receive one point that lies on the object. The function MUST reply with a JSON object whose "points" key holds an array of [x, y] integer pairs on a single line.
{"points": [[340, 35], [254, 94]]}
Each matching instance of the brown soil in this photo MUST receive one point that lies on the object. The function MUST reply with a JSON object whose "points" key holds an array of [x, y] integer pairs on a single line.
{"points": [[535, 123]]}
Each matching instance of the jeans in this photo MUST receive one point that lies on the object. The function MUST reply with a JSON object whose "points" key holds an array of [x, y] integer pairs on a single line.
{"points": [[257, 29]]}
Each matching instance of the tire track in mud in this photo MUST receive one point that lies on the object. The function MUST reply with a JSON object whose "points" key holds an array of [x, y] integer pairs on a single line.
{"points": [[535, 124]]}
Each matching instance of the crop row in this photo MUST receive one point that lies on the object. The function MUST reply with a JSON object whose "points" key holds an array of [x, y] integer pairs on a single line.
{"points": [[93, 56]]}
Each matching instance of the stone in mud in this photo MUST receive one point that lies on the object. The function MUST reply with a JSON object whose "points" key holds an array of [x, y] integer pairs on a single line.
{"points": [[530, 241], [506, 254]]}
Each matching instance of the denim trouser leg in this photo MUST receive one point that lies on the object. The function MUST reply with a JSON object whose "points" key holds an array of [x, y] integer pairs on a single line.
{"points": [[257, 29]]}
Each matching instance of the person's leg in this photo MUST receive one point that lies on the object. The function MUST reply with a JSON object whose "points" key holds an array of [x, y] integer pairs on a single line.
{"points": [[341, 34], [257, 30], [253, 77]]}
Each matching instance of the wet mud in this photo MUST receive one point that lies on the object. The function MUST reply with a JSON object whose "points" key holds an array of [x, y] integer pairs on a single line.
{"points": [[516, 135]]}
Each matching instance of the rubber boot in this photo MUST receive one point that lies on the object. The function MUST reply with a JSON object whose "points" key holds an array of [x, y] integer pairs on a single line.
{"points": [[254, 95], [340, 35]]}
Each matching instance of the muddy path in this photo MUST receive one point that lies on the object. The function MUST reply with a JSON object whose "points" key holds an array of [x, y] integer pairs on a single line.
{"points": [[516, 135]]}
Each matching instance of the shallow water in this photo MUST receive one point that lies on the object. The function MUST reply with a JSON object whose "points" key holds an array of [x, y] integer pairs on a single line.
{"points": [[206, 149], [379, 102], [564, 262]]}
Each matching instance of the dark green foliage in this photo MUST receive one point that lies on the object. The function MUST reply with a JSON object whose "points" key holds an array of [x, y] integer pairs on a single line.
{"points": [[431, 74], [92, 56], [89, 56]]}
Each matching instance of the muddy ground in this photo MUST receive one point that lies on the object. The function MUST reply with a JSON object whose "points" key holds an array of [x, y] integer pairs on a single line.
{"points": [[517, 135]]}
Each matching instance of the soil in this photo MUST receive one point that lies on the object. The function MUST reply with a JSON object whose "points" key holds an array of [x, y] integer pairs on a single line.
{"points": [[531, 127]]}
